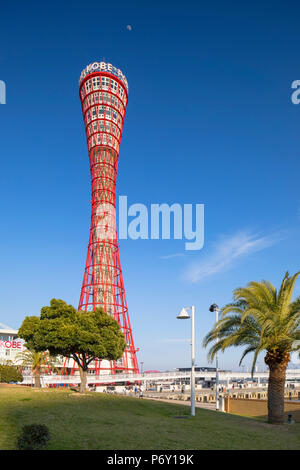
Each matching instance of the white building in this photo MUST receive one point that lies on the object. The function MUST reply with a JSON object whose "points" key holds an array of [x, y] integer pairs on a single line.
{"points": [[10, 344]]}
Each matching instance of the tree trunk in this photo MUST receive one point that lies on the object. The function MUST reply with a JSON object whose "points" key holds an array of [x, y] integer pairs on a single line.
{"points": [[83, 379], [276, 385], [37, 380]]}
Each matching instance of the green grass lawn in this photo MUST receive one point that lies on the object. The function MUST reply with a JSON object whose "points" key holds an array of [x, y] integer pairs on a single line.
{"points": [[97, 421]]}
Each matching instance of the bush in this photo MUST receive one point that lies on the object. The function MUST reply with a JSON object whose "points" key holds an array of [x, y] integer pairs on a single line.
{"points": [[33, 437], [10, 374]]}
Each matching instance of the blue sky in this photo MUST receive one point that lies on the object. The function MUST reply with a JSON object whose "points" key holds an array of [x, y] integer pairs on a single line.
{"points": [[209, 120]]}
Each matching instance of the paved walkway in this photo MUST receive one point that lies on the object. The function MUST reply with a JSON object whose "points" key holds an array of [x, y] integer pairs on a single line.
{"points": [[206, 406]]}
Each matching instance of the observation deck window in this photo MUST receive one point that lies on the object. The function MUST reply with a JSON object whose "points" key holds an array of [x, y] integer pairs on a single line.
{"points": [[114, 86], [96, 83], [88, 86], [105, 82]]}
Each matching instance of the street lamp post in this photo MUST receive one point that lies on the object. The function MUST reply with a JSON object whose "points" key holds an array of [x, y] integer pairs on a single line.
{"points": [[183, 315], [215, 308]]}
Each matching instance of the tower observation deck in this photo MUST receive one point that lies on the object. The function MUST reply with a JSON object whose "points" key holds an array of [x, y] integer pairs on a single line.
{"points": [[103, 92]]}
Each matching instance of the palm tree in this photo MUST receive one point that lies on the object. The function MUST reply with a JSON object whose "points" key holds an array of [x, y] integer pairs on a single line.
{"points": [[262, 319], [38, 361]]}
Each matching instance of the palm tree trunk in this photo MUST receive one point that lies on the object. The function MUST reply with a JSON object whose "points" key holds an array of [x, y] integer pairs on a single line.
{"points": [[276, 384], [37, 380]]}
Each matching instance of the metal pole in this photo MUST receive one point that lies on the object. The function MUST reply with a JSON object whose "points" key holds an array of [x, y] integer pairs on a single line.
{"points": [[217, 366], [193, 365]]}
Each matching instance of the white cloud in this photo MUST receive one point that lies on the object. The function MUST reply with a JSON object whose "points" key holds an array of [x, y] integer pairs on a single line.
{"points": [[227, 251], [175, 255]]}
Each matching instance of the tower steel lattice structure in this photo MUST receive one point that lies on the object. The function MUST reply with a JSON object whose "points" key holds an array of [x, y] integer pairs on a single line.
{"points": [[103, 91]]}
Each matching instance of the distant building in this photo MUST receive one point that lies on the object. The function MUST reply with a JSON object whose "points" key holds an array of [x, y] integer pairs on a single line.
{"points": [[10, 344], [200, 369]]}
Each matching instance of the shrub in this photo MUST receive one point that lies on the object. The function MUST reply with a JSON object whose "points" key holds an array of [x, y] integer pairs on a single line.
{"points": [[33, 437], [10, 374]]}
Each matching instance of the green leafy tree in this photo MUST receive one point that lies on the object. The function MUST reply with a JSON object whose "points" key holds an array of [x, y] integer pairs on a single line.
{"points": [[262, 319], [83, 336], [39, 361], [10, 373]]}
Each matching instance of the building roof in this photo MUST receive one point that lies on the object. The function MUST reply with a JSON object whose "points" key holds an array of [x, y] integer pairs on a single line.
{"points": [[7, 329]]}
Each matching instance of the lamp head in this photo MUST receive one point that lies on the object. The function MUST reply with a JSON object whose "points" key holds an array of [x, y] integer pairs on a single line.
{"points": [[183, 315], [213, 308]]}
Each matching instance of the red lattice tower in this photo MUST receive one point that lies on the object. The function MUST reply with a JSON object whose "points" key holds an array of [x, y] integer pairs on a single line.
{"points": [[103, 91]]}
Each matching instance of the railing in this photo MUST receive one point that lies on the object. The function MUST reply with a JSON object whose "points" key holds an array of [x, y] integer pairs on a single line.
{"points": [[153, 376]]}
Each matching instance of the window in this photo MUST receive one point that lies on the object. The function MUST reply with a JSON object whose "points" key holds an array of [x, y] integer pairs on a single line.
{"points": [[96, 83], [105, 82], [88, 116], [88, 86], [114, 86]]}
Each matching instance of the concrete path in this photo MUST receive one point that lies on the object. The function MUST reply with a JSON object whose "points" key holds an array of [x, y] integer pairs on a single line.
{"points": [[206, 406]]}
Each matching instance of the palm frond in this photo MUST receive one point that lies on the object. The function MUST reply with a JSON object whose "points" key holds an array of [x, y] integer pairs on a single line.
{"points": [[260, 318]]}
